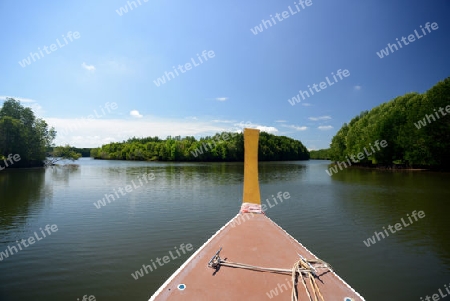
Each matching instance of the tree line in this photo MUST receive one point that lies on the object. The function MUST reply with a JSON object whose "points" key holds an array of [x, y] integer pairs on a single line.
{"points": [[31, 139], [225, 147], [321, 154], [416, 127], [23, 134], [84, 151]]}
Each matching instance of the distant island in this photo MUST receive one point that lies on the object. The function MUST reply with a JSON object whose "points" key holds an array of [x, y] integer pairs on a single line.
{"points": [[415, 126], [222, 147]]}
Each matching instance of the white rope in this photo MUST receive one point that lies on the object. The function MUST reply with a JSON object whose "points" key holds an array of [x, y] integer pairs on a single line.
{"points": [[302, 267]]}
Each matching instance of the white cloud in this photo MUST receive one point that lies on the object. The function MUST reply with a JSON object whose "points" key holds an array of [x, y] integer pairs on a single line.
{"points": [[21, 99], [121, 66], [325, 127], [357, 88], [268, 129], [306, 104], [88, 67], [280, 121], [79, 132], [297, 128], [319, 118], [94, 132], [223, 121], [28, 102], [241, 125], [135, 113], [221, 98], [37, 109]]}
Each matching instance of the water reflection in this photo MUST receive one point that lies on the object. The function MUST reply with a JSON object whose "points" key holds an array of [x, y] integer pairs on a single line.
{"points": [[188, 202], [374, 199], [270, 172], [22, 194], [62, 173]]}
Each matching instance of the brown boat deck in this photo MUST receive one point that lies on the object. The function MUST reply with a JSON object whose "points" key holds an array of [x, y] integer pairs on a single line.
{"points": [[258, 241]]}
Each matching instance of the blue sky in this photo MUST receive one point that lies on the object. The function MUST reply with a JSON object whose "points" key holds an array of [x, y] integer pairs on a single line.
{"points": [[117, 57]]}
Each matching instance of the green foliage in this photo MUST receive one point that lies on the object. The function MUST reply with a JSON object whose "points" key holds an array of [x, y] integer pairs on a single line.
{"points": [[396, 122], [59, 153], [24, 134], [321, 154], [221, 147], [85, 152]]}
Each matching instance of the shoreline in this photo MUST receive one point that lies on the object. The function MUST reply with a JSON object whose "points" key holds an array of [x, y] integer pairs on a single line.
{"points": [[394, 167], [397, 168]]}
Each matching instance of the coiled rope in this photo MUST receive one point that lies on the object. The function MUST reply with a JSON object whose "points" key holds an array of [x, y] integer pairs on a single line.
{"points": [[302, 267]]}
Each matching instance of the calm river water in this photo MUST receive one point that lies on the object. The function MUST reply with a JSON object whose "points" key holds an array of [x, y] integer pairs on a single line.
{"points": [[94, 251]]}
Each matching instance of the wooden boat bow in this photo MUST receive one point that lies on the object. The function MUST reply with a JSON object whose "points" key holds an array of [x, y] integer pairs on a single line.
{"points": [[262, 262]]}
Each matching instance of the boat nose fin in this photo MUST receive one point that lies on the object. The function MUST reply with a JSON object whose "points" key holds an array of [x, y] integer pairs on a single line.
{"points": [[251, 201]]}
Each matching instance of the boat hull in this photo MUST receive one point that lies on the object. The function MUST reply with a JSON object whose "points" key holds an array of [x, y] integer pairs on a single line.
{"points": [[252, 239]]}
